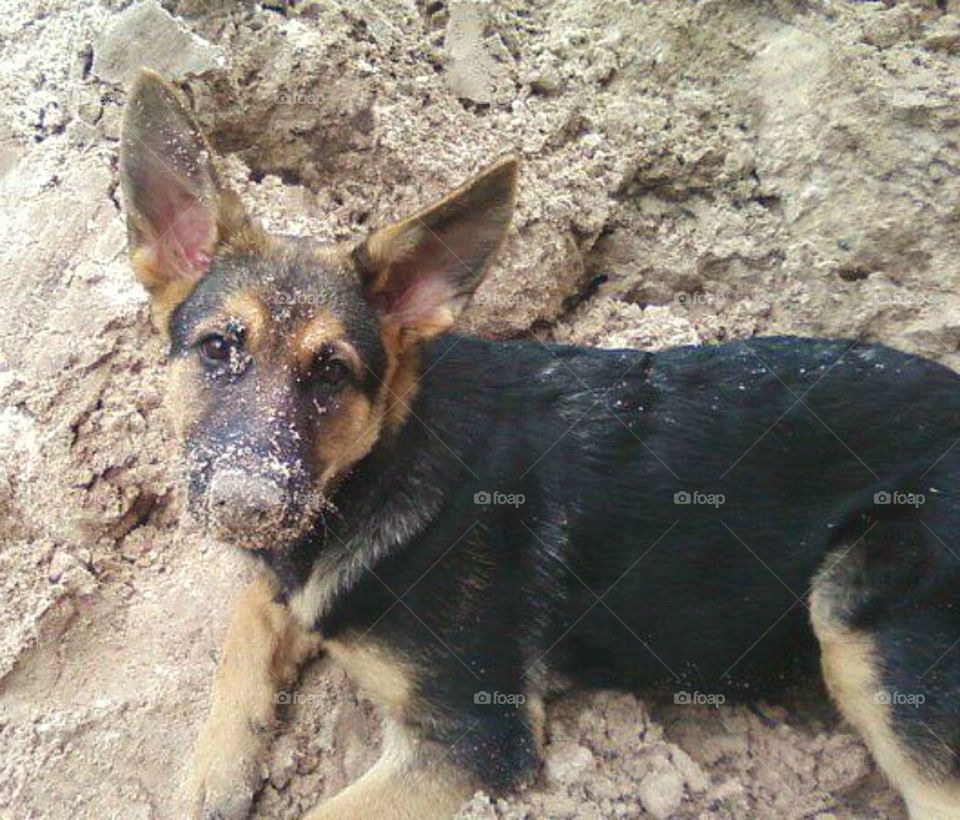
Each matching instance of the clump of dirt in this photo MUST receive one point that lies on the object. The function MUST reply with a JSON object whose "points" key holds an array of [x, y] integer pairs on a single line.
{"points": [[692, 172]]}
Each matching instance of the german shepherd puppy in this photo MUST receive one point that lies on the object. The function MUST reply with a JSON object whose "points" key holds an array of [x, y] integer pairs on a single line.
{"points": [[467, 525]]}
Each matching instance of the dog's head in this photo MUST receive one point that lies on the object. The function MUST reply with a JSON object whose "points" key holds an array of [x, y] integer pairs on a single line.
{"points": [[289, 359]]}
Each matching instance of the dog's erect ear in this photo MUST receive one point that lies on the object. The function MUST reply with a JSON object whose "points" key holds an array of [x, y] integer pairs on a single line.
{"points": [[177, 211], [419, 273]]}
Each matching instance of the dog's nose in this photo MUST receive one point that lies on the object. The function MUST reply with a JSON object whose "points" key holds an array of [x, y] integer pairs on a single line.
{"points": [[246, 504]]}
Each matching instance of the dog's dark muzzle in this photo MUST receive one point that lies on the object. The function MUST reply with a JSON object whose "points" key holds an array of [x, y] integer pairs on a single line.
{"points": [[247, 506], [249, 483]]}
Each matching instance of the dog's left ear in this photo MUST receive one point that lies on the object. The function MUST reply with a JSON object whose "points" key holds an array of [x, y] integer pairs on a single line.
{"points": [[420, 272]]}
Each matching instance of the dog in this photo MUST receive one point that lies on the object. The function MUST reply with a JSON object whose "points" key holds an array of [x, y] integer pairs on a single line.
{"points": [[468, 526]]}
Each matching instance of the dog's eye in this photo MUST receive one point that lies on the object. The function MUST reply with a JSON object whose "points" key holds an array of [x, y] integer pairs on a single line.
{"points": [[329, 370], [215, 349]]}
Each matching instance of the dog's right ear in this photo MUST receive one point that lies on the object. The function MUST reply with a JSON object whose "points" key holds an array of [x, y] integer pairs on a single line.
{"points": [[419, 273], [178, 214]]}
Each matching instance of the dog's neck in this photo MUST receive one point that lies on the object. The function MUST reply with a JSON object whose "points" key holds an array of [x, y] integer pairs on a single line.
{"points": [[380, 507]]}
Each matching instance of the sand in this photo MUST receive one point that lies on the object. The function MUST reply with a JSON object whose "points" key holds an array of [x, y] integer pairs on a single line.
{"points": [[692, 172]]}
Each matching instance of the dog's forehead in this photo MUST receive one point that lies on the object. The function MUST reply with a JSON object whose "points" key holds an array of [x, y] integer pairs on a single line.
{"points": [[293, 287], [298, 281]]}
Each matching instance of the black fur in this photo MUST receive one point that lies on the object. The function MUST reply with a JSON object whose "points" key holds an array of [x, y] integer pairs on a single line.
{"points": [[798, 435]]}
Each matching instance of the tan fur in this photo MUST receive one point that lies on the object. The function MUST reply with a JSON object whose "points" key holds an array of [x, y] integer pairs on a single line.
{"points": [[410, 781], [536, 717], [253, 315], [238, 232], [400, 377], [350, 434], [360, 423], [323, 327], [264, 648], [376, 670], [849, 662], [314, 597], [353, 426], [389, 244], [163, 298]]}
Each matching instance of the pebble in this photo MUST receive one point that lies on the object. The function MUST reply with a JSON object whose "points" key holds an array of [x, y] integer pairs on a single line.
{"points": [[566, 762], [661, 792]]}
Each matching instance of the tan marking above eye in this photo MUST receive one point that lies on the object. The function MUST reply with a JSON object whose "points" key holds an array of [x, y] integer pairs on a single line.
{"points": [[321, 328], [321, 332], [246, 310]]}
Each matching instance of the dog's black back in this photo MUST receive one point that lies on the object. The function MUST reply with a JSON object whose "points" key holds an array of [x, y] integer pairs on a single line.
{"points": [[696, 491]]}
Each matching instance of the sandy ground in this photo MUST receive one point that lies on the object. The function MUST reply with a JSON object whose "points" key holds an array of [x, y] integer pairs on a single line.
{"points": [[693, 172]]}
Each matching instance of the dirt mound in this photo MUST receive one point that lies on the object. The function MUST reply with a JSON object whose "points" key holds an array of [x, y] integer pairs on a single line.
{"points": [[691, 172]]}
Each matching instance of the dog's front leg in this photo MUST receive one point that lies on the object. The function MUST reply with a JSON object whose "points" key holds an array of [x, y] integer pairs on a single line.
{"points": [[413, 780], [264, 648]]}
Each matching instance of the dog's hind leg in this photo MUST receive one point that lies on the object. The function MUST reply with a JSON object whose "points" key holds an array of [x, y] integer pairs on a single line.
{"points": [[264, 648], [412, 780], [892, 665]]}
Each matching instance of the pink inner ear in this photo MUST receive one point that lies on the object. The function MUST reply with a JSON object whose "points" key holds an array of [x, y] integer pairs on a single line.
{"points": [[187, 232], [422, 301], [200, 261]]}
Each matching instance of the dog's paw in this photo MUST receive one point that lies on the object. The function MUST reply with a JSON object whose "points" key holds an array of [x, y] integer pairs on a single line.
{"points": [[222, 781]]}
